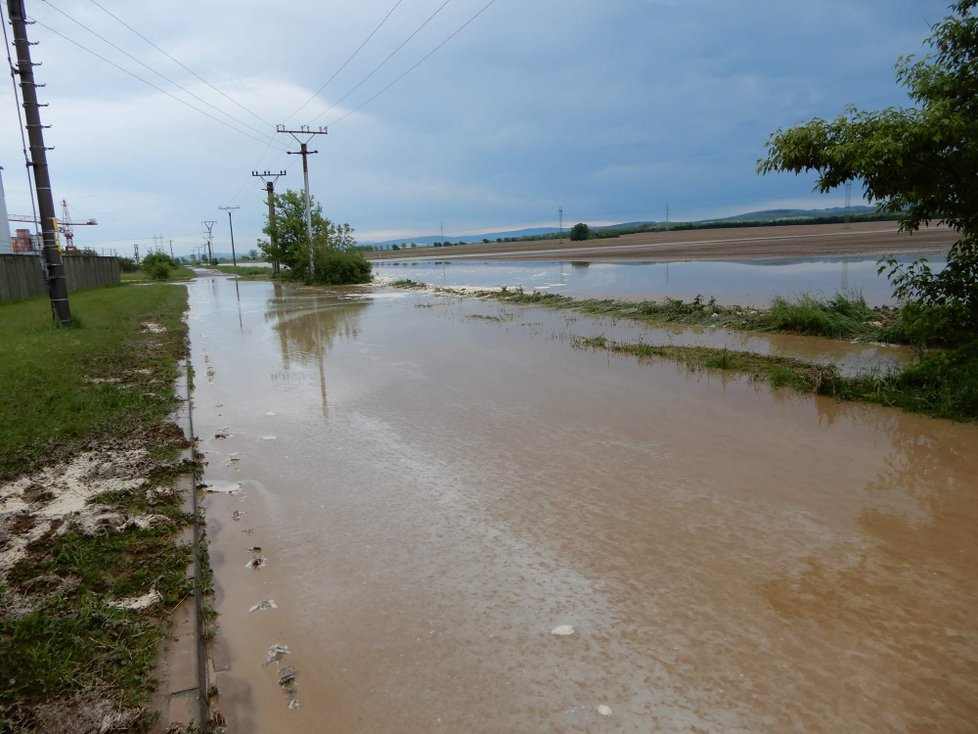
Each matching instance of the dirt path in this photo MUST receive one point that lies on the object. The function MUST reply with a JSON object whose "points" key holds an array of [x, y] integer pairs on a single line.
{"points": [[746, 243]]}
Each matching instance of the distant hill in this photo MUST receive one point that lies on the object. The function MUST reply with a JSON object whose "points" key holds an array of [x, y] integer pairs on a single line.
{"points": [[766, 215]]}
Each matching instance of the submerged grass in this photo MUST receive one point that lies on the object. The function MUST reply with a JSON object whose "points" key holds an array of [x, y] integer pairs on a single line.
{"points": [[141, 276], [943, 385], [843, 316], [106, 382]]}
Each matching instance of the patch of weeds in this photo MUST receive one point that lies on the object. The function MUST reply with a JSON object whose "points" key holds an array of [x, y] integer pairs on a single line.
{"points": [[408, 283]]}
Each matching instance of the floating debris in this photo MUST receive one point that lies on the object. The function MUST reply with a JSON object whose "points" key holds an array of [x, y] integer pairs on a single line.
{"points": [[269, 438], [236, 456], [264, 604], [255, 549], [293, 703], [287, 677], [564, 630], [275, 653], [221, 486], [255, 563], [221, 433], [269, 412], [604, 710]]}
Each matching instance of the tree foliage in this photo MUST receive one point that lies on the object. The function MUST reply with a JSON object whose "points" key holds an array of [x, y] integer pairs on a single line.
{"points": [[158, 265], [328, 241], [580, 231], [920, 162]]}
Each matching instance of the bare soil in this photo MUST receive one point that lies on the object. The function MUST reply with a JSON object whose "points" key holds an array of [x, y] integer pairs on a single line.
{"points": [[871, 239]]}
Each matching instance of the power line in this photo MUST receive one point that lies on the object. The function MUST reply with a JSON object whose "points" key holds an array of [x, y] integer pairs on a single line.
{"points": [[416, 65], [382, 63], [345, 63], [150, 68], [180, 64], [149, 83]]}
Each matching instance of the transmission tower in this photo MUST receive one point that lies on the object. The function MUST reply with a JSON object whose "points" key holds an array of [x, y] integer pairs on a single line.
{"points": [[269, 179], [209, 225], [308, 134]]}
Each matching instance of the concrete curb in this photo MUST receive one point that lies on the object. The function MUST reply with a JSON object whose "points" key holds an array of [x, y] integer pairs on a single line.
{"points": [[182, 696]]}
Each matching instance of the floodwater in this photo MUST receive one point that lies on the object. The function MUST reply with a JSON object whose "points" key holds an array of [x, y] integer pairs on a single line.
{"points": [[414, 494], [748, 283]]}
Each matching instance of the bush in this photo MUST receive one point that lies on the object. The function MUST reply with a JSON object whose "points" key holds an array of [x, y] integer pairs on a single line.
{"points": [[336, 267], [158, 266], [128, 264]]}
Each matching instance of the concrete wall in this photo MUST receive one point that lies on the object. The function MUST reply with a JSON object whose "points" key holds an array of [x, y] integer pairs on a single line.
{"points": [[22, 276]]}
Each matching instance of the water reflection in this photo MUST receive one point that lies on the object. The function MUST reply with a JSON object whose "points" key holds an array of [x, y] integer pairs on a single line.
{"points": [[308, 321]]}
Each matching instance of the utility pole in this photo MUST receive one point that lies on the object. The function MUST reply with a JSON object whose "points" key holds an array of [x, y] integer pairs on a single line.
{"points": [[269, 179], [560, 219], [304, 151], [57, 286], [135, 252], [210, 234], [172, 256], [229, 209]]}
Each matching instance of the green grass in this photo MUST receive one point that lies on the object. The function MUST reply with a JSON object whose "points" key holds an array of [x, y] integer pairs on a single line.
{"points": [[840, 317], [63, 387], [141, 276], [105, 382], [246, 271]]}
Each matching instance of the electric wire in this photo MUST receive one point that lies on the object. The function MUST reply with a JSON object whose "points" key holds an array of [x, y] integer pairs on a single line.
{"points": [[20, 119], [382, 63], [150, 68], [150, 84], [345, 63], [416, 65], [180, 63]]}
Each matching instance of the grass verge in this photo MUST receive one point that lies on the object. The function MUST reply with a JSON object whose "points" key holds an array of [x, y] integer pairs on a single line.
{"points": [[89, 516], [251, 272], [141, 276]]}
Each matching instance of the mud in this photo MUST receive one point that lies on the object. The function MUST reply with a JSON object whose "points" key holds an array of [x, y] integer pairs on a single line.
{"points": [[447, 494]]}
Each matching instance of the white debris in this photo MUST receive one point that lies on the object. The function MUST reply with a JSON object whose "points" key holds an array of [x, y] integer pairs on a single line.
{"points": [[153, 328], [604, 710], [563, 630], [264, 604], [269, 438], [138, 603], [275, 653], [255, 563]]}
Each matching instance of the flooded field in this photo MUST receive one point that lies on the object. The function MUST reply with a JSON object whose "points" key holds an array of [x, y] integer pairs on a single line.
{"points": [[435, 515], [748, 283]]}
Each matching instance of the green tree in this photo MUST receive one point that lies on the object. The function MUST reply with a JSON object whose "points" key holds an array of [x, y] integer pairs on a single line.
{"points": [[580, 231], [920, 162], [328, 239]]}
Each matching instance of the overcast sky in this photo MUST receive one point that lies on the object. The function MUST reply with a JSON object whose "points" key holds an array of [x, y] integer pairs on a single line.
{"points": [[610, 110]]}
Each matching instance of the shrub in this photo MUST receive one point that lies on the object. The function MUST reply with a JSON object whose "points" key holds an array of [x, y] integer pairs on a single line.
{"points": [[158, 266], [336, 267]]}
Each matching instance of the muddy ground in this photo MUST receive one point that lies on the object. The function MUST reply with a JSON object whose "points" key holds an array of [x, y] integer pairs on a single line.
{"points": [[743, 243]]}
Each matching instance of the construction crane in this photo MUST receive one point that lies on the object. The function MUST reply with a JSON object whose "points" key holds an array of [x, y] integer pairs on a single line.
{"points": [[65, 225]]}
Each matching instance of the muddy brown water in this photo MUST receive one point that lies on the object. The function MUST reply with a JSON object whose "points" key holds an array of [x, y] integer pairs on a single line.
{"points": [[436, 485]]}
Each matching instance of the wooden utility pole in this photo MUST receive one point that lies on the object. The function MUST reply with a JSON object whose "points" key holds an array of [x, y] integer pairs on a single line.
{"points": [[304, 151], [270, 178], [57, 286]]}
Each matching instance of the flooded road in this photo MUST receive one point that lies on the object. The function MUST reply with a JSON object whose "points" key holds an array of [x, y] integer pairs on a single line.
{"points": [[449, 520]]}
